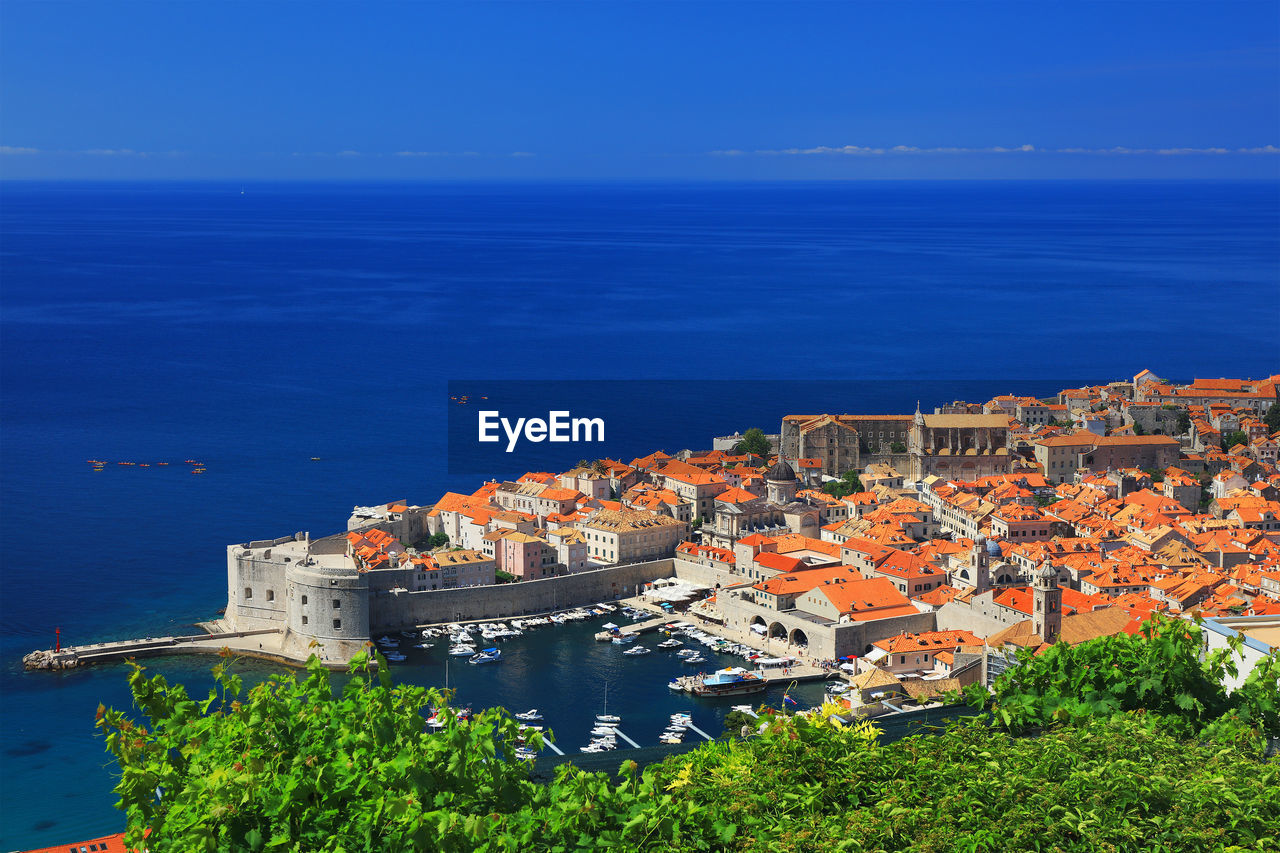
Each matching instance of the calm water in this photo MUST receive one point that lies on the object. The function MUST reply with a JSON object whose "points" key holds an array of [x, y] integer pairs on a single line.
{"points": [[166, 322]]}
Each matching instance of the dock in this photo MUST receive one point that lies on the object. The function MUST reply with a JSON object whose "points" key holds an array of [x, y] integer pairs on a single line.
{"points": [[698, 731], [263, 643], [627, 739]]}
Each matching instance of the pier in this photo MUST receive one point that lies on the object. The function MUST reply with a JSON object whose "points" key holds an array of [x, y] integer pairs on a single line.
{"points": [[691, 727], [627, 739], [263, 643]]}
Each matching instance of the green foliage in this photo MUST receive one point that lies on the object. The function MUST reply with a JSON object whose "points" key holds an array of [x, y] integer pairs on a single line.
{"points": [[755, 443], [697, 524], [897, 447], [848, 484], [503, 577], [1230, 440], [293, 767], [438, 540], [1139, 429], [1272, 417], [1184, 422], [1159, 672], [734, 721]]}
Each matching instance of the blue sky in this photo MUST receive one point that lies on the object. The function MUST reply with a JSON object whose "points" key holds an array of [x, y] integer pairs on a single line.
{"points": [[639, 90]]}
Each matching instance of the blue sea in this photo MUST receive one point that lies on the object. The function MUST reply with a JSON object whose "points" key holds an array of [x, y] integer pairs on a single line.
{"points": [[255, 327]]}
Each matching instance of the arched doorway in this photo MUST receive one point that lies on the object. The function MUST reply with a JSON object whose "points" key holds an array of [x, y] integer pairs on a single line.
{"points": [[798, 638], [777, 631]]}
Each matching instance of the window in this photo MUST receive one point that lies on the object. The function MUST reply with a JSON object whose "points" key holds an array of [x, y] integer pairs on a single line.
{"points": [[337, 604], [304, 601], [248, 592], [271, 595], [337, 624], [304, 619]]}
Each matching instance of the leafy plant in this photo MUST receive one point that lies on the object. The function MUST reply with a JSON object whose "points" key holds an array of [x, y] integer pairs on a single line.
{"points": [[1161, 672]]}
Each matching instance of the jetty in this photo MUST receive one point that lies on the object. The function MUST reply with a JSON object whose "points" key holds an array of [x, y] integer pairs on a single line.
{"points": [[263, 643]]}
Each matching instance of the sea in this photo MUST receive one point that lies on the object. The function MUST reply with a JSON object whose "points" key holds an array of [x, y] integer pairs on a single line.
{"points": [[308, 343]]}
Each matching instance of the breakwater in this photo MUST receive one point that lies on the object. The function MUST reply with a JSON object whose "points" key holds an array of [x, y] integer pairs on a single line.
{"points": [[71, 657]]}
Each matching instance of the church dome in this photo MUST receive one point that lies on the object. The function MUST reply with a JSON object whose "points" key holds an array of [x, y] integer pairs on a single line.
{"points": [[993, 548], [781, 472]]}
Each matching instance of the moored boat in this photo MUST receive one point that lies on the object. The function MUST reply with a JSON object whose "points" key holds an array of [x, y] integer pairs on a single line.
{"points": [[731, 681]]}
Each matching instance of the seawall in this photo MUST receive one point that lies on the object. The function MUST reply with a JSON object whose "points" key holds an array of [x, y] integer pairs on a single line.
{"points": [[393, 611]]}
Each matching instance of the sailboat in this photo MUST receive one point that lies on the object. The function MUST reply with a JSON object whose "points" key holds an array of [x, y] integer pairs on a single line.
{"points": [[606, 717]]}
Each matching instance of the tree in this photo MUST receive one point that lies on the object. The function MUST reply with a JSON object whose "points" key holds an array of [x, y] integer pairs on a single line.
{"points": [[1160, 671], [848, 484], [1230, 440], [1272, 417], [439, 540], [1139, 429], [897, 447], [755, 443], [1184, 422]]}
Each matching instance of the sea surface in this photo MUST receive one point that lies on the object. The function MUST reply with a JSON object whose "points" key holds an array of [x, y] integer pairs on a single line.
{"points": [[254, 327]]}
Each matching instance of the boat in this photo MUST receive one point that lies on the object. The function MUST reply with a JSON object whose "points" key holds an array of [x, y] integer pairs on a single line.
{"points": [[670, 644], [674, 684], [695, 659], [605, 716], [394, 657], [731, 681], [423, 645], [623, 639], [638, 650], [524, 753], [460, 650], [604, 730], [529, 715], [486, 656]]}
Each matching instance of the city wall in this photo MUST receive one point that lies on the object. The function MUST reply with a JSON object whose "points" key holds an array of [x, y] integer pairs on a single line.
{"points": [[391, 611]]}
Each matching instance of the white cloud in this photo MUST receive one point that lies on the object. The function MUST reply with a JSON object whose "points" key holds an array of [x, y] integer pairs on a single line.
{"points": [[522, 154], [423, 154], [348, 153], [14, 149], [115, 152]]}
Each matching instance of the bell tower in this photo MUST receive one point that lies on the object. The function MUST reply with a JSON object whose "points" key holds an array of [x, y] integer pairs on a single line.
{"points": [[980, 564], [1046, 617]]}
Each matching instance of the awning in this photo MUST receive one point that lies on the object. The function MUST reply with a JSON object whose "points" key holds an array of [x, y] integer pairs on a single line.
{"points": [[875, 654], [758, 629], [848, 667]]}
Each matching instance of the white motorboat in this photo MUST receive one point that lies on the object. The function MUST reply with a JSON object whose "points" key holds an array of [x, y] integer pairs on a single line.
{"points": [[608, 718], [423, 645], [674, 684], [460, 650], [638, 650], [524, 753], [673, 643], [604, 730], [623, 639], [486, 656], [529, 715]]}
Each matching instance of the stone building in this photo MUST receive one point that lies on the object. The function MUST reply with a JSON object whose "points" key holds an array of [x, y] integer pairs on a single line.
{"points": [[959, 447], [841, 441], [625, 536]]}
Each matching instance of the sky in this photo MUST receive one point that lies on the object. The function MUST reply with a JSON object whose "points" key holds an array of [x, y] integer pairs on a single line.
{"points": [[727, 90]]}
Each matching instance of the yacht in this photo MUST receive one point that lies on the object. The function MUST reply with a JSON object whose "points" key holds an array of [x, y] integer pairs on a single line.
{"points": [[486, 656], [638, 650], [529, 715], [670, 644], [461, 649]]}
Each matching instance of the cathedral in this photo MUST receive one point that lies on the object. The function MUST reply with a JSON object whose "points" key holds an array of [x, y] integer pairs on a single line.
{"points": [[959, 447], [740, 514]]}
